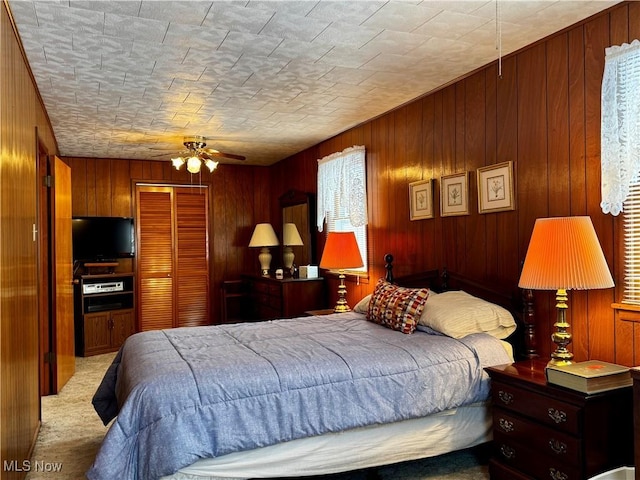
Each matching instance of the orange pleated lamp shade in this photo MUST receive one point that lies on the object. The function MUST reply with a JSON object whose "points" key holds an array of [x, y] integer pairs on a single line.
{"points": [[564, 253], [341, 252]]}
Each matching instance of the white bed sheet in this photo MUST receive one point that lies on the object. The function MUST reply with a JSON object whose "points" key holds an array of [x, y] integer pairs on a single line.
{"points": [[355, 449]]}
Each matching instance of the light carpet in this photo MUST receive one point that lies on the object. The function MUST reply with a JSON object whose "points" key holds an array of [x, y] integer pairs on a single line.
{"points": [[71, 434]]}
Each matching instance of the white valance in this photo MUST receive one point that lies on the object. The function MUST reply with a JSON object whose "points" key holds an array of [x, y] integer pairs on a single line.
{"points": [[341, 179], [620, 130]]}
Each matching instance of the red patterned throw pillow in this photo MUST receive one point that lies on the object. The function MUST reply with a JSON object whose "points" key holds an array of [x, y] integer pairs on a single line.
{"points": [[396, 307]]}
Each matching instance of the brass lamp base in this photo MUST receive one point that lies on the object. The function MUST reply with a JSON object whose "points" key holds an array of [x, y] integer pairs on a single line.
{"points": [[561, 337], [342, 306]]}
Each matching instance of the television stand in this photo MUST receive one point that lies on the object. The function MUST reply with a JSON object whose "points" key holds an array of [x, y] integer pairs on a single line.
{"points": [[102, 267], [104, 312]]}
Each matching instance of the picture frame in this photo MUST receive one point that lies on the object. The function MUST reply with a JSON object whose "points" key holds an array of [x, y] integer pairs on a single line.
{"points": [[454, 194], [495, 188], [421, 200]]}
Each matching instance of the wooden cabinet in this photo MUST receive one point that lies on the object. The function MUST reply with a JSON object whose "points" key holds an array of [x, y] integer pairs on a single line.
{"points": [[104, 312], [283, 298], [541, 431]]}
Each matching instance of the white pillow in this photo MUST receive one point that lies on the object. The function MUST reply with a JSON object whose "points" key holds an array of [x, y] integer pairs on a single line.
{"points": [[363, 305], [458, 314]]}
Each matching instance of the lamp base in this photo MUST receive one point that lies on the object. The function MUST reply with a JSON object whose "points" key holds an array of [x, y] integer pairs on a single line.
{"points": [[287, 258], [561, 337], [264, 257], [342, 306]]}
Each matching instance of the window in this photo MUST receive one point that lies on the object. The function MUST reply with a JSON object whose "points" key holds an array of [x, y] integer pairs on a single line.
{"points": [[631, 222], [342, 196]]}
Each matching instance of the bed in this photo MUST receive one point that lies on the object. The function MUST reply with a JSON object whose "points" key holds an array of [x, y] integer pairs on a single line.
{"points": [[307, 396]]}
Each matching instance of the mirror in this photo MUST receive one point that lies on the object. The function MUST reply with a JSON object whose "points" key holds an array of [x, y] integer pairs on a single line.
{"points": [[296, 209]]}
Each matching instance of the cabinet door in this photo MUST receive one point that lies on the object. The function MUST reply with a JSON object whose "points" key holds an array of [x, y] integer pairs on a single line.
{"points": [[97, 333], [122, 326], [155, 257], [192, 257]]}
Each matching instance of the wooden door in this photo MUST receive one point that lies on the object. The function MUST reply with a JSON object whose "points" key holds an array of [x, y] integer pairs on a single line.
{"points": [[154, 263], [62, 288], [192, 257]]}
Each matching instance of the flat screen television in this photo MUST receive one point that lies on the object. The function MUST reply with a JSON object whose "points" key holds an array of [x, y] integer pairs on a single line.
{"points": [[102, 239]]}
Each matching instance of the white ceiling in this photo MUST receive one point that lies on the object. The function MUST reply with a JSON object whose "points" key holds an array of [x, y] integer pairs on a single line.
{"points": [[263, 79]]}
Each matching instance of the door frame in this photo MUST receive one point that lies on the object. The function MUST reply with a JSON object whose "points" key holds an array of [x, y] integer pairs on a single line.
{"points": [[45, 318]]}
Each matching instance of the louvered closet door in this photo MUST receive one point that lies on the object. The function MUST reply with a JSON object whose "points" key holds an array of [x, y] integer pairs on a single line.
{"points": [[172, 258], [192, 258], [154, 257]]}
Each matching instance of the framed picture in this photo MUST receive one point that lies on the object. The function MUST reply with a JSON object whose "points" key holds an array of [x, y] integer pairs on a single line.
{"points": [[495, 188], [421, 200], [454, 195]]}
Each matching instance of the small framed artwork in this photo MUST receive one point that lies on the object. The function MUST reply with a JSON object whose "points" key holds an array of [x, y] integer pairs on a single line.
{"points": [[495, 188], [454, 195], [421, 200]]}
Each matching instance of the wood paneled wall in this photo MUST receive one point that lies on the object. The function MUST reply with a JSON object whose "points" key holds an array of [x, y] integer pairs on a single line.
{"points": [[543, 114], [239, 196], [21, 113]]}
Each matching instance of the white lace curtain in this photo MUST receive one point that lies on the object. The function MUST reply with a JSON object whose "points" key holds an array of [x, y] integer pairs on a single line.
{"points": [[620, 130], [342, 179]]}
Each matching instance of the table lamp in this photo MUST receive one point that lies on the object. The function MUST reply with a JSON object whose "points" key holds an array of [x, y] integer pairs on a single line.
{"points": [[564, 254], [341, 252], [290, 238], [264, 237]]}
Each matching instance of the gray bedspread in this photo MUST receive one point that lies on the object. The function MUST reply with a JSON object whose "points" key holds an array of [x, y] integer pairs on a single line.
{"points": [[189, 393]]}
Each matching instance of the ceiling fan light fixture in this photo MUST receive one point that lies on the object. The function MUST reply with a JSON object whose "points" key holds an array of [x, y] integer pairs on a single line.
{"points": [[211, 165], [177, 162], [193, 164]]}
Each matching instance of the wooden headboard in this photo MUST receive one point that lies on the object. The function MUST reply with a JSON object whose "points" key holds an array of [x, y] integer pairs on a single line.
{"points": [[519, 302]]}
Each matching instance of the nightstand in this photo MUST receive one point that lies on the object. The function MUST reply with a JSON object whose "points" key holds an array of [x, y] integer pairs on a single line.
{"points": [[542, 431]]}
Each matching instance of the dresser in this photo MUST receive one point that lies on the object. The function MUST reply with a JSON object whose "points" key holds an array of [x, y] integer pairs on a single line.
{"points": [[541, 431], [283, 298]]}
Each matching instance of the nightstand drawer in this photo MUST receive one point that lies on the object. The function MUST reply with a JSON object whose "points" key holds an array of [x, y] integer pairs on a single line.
{"points": [[546, 440], [528, 460], [541, 408]]}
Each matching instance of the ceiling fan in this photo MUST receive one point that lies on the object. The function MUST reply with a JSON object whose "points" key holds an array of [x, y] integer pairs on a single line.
{"points": [[196, 155]]}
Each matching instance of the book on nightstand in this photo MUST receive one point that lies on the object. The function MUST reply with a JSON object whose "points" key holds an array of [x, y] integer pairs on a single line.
{"points": [[592, 376]]}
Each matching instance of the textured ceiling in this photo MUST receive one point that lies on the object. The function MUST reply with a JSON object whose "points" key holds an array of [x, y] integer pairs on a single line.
{"points": [[263, 79]]}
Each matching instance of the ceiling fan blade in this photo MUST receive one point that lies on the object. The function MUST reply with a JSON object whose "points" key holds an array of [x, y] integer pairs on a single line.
{"points": [[214, 153]]}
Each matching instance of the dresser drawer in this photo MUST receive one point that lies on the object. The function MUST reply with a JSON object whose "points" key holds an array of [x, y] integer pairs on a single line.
{"points": [[260, 288], [529, 461], [541, 408], [546, 440]]}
